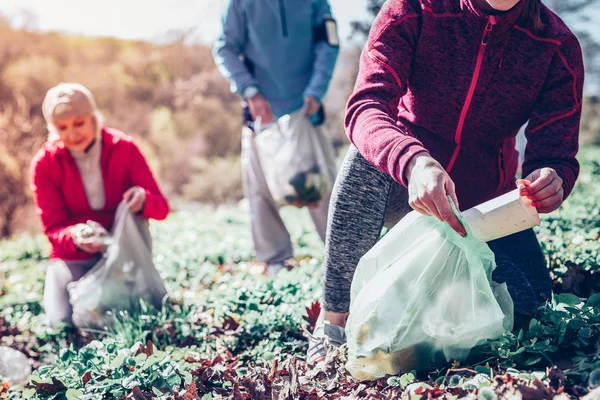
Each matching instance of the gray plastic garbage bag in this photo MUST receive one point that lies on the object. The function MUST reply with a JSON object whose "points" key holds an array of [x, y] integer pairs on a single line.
{"points": [[121, 278]]}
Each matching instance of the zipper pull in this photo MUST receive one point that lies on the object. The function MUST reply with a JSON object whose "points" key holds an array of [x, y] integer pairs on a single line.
{"points": [[488, 29]]}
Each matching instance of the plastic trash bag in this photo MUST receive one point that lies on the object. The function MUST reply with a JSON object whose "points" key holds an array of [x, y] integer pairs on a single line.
{"points": [[121, 278], [423, 296], [297, 159], [14, 366]]}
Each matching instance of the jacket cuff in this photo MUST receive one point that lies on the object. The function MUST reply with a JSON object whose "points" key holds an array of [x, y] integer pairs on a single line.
{"points": [[401, 158], [314, 93], [69, 244], [148, 210]]}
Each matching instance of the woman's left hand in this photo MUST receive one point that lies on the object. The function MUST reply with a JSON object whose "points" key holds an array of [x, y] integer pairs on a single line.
{"points": [[135, 199], [544, 188]]}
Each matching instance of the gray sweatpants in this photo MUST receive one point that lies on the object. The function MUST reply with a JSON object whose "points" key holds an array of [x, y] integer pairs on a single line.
{"points": [[60, 273], [365, 199], [271, 238]]}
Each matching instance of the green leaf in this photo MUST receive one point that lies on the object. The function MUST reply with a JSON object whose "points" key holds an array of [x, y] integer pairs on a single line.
{"points": [[568, 299], [594, 379], [576, 324], [173, 380], [593, 301], [487, 393], [519, 351], [526, 377], [439, 380], [406, 380], [454, 381], [533, 323], [73, 394], [532, 360], [152, 360], [393, 381], [140, 359], [157, 392], [28, 393], [66, 354], [483, 370], [573, 310], [586, 332], [130, 381], [117, 362], [187, 377], [542, 345], [207, 397]]}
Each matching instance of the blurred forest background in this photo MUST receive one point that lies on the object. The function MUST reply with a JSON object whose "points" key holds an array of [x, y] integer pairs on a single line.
{"points": [[173, 101]]}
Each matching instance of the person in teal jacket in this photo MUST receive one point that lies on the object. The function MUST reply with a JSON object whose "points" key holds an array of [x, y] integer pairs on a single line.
{"points": [[279, 56]]}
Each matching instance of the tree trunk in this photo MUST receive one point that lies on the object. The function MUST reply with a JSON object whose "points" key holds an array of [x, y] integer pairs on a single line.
{"points": [[7, 226]]}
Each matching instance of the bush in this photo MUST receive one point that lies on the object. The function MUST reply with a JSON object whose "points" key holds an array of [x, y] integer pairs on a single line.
{"points": [[216, 181]]}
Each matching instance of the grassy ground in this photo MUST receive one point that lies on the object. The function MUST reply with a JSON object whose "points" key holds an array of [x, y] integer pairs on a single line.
{"points": [[230, 332]]}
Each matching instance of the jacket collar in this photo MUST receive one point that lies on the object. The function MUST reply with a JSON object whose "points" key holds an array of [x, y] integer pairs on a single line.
{"points": [[478, 19]]}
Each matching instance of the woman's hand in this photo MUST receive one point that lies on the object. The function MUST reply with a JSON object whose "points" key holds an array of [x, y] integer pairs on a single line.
{"points": [[135, 199], [428, 188], [544, 188], [88, 238]]}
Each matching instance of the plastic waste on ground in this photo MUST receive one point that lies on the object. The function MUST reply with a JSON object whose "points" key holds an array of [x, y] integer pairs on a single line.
{"points": [[121, 278], [14, 366], [423, 296], [297, 159]]}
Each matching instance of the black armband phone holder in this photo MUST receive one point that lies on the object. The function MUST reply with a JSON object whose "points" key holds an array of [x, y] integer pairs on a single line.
{"points": [[327, 32]]}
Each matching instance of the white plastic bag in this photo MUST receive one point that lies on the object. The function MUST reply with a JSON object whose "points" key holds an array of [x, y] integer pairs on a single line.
{"points": [[422, 296], [121, 278], [14, 366], [297, 159]]}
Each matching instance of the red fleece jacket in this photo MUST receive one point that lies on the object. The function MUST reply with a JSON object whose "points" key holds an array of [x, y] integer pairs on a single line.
{"points": [[60, 197], [441, 76]]}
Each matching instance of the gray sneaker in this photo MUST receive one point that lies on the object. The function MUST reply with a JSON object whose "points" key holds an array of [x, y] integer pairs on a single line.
{"points": [[274, 269], [325, 334]]}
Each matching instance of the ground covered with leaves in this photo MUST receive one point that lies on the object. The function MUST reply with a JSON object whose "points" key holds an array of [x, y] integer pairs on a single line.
{"points": [[229, 332]]}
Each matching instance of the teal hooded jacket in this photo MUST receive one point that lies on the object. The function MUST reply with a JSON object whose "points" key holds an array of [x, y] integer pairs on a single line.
{"points": [[275, 46]]}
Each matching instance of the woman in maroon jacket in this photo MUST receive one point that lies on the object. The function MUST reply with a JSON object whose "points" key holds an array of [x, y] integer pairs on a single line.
{"points": [[443, 88], [78, 179]]}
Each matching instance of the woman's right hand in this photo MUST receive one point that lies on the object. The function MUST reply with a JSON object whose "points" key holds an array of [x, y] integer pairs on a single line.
{"points": [[429, 186], [84, 238]]}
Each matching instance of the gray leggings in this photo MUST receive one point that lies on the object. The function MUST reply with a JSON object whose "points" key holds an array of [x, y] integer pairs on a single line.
{"points": [[365, 199]]}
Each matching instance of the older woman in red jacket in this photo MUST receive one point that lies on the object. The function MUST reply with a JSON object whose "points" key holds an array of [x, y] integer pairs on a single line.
{"points": [[78, 179]]}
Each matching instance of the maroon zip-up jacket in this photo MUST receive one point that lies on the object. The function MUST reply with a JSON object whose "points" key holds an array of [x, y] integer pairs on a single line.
{"points": [[443, 77]]}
